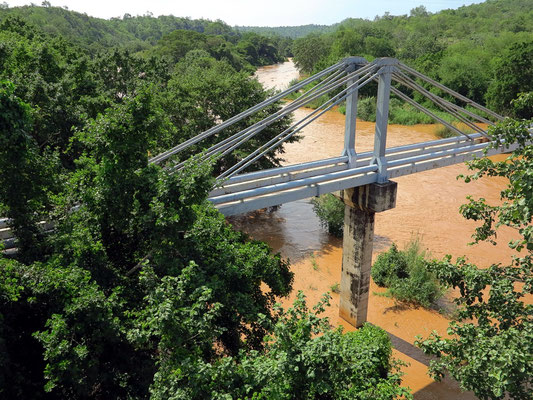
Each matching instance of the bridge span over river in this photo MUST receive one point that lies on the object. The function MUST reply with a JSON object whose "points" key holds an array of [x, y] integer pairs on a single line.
{"points": [[361, 180]]}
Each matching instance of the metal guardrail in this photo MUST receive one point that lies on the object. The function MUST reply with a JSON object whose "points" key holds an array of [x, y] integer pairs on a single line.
{"points": [[7, 237]]}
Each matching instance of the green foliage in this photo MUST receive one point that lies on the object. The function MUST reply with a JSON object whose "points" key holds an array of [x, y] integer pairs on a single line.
{"points": [[178, 43], [142, 288], [293, 32], [171, 35], [314, 263], [308, 51], [446, 132], [489, 346], [513, 74], [399, 112], [517, 206], [406, 276], [24, 177], [203, 91], [523, 103], [330, 211], [260, 50], [389, 267], [366, 109], [80, 313], [481, 51], [68, 86], [302, 355]]}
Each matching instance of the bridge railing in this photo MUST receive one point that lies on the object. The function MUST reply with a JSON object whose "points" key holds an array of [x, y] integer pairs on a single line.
{"points": [[277, 186]]}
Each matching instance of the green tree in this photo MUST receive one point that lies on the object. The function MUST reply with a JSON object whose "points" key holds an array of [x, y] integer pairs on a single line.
{"points": [[465, 70], [203, 91], [116, 216], [308, 51], [149, 290], [490, 347], [303, 356], [25, 176], [513, 74]]}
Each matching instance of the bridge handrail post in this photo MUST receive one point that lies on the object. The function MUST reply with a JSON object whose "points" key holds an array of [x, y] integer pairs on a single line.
{"points": [[352, 64], [382, 117]]}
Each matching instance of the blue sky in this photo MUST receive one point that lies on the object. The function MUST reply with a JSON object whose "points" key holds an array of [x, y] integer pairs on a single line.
{"points": [[257, 13]]}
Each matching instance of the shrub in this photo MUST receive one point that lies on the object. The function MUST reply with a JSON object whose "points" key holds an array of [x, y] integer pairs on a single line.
{"points": [[399, 112], [366, 109], [445, 132], [404, 114], [330, 211], [389, 267], [406, 276]]}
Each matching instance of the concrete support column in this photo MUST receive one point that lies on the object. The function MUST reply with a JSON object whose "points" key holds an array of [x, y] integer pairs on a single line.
{"points": [[361, 204], [356, 261]]}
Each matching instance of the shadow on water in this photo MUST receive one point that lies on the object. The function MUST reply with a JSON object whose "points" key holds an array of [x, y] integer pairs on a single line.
{"points": [[291, 229], [294, 230]]}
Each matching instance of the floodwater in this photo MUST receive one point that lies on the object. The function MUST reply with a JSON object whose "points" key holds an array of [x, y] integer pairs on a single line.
{"points": [[427, 207]]}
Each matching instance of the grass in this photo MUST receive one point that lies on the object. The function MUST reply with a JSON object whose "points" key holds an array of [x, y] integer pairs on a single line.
{"points": [[405, 275], [336, 288], [314, 263], [445, 132]]}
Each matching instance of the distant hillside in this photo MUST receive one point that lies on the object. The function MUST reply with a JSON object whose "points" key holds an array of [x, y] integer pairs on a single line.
{"points": [[471, 49], [292, 32], [136, 33]]}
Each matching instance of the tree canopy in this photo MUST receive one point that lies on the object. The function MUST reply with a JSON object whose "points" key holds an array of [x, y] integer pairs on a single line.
{"points": [[477, 50], [126, 282], [489, 348]]}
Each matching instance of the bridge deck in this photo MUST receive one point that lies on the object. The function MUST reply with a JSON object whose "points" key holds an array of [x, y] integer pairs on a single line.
{"points": [[251, 191]]}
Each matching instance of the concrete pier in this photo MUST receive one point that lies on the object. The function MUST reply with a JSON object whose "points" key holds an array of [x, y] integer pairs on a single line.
{"points": [[360, 206]]}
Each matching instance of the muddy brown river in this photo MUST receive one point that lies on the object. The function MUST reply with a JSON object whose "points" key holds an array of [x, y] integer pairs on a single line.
{"points": [[427, 208]]}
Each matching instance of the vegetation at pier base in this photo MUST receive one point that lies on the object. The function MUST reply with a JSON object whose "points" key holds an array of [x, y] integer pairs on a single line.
{"points": [[406, 276], [330, 211], [490, 344]]}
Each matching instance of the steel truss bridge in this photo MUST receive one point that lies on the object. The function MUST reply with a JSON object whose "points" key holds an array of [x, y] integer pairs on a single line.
{"points": [[238, 192]]}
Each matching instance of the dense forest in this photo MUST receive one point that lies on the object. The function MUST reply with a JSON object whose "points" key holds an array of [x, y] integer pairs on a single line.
{"points": [[483, 51], [293, 32], [150, 35], [142, 289]]}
